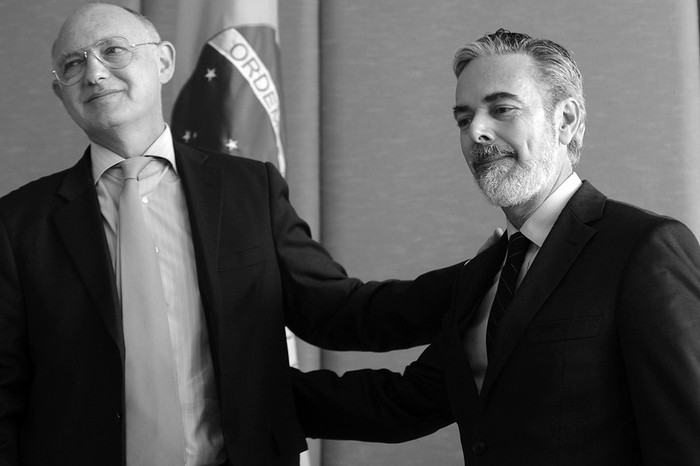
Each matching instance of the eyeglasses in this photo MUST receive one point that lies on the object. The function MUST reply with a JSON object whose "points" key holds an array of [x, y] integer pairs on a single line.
{"points": [[112, 52]]}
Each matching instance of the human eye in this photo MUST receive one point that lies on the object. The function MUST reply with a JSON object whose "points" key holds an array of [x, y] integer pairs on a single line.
{"points": [[463, 120], [503, 110], [72, 63], [113, 50]]}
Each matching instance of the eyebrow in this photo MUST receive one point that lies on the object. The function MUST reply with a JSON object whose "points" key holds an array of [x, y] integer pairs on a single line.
{"points": [[70, 53], [493, 97], [82, 49]]}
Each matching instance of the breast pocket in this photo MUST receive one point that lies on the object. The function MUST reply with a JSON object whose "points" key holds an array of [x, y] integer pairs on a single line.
{"points": [[562, 330], [232, 260]]}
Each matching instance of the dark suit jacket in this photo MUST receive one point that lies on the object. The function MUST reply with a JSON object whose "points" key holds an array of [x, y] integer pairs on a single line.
{"points": [[597, 360], [61, 342]]}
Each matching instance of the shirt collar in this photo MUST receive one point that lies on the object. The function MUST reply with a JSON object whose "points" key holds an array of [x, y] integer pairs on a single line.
{"points": [[103, 159], [537, 227]]}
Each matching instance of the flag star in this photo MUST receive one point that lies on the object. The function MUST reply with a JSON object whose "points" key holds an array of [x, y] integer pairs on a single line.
{"points": [[211, 74], [231, 144]]}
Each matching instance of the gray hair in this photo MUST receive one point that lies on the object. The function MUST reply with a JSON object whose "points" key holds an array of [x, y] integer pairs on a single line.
{"points": [[558, 71]]}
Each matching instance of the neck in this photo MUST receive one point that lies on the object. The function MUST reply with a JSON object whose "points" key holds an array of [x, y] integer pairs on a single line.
{"points": [[128, 143]]}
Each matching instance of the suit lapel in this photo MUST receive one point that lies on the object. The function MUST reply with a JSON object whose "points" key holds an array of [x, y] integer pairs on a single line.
{"points": [[563, 245], [79, 224], [475, 279], [202, 185], [471, 285]]}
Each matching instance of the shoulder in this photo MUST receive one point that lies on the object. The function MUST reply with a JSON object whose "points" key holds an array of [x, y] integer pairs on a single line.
{"points": [[638, 221], [621, 228], [650, 237], [34, 196], [230, 164], [69, 182], [45, 183], [238, 176], [603, 213]]}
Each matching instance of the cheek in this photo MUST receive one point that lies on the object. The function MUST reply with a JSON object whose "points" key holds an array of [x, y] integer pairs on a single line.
{"points": [[467, 145], [519, 143], [466, 142], [471, 167], [71, 102]]}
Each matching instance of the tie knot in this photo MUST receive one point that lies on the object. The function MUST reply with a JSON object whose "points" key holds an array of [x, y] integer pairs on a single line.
{"points": [[517, 244], [133, 166]]}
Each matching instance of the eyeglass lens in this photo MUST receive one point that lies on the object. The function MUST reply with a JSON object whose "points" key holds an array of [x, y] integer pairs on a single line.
{"points": [[114, 52]]}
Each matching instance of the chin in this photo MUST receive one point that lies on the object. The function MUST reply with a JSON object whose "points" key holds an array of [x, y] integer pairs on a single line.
{"points": [[106, 120], [502, 201], [511, 196]]}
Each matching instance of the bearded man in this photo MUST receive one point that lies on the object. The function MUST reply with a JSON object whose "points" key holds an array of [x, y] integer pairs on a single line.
{"points": [[580, 345]]}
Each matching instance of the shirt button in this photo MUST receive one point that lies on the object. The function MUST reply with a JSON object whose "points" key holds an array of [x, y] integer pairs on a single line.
{"points": [[117, 417], [144, 199], [479, 447], [156, 249]]}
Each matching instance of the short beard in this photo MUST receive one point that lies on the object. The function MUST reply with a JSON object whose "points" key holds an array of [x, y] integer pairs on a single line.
{"points": [[506, 182]]}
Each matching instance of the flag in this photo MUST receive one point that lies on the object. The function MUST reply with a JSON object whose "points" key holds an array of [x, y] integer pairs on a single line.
{"points": [[228, 76], [231, 101]]}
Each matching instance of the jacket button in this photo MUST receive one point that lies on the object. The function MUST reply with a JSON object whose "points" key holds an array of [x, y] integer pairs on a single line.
{"points": [[479, 447], [117, 417]]}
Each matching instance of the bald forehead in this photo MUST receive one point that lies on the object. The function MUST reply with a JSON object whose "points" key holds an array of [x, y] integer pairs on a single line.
{"points": [[93, 22]]}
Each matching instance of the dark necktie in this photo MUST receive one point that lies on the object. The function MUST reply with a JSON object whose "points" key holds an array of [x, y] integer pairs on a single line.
{"points": [[154, 432], [517, 247]]}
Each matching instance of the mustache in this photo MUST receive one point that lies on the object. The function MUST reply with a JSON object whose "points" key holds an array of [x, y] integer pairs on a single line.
{"points": [[483, 152]]}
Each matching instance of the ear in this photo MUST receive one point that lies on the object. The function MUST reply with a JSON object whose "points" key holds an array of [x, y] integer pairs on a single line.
{"points": [[57, 89], [569, 112], [166, 61]]}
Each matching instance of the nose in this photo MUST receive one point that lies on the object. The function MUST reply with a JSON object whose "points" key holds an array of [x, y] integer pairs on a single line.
{"points": [[95, 70], [480, 130]]}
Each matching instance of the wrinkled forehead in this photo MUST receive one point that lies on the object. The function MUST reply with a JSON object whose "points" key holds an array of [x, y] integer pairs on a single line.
{"points": [[89, 24]]}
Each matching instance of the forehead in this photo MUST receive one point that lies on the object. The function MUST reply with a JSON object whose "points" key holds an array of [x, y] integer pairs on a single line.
{"points": [[95, 22], [485, 77]]}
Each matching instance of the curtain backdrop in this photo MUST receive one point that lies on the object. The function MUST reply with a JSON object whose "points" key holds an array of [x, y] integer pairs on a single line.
{"points": [[373, 156]]}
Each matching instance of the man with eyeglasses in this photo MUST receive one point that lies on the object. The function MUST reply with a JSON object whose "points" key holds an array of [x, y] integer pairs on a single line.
{"points": [[90, 373]]}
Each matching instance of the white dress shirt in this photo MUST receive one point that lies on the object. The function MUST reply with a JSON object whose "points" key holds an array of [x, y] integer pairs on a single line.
{"points": [[536, 228], [161, 192]]}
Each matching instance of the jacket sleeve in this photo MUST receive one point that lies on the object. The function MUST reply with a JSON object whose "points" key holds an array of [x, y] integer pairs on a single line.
{"points": [[659, 322], [327, 308], [14, 362], [374, 405]]}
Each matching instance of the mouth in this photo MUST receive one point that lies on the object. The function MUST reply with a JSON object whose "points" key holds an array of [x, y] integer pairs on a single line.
{"points": [[101, 95], [483, 163], [486, 165], [484, 156]]}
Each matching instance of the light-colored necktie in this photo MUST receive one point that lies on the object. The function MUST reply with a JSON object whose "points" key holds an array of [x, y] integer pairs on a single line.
{"points": [[154, 432]]}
